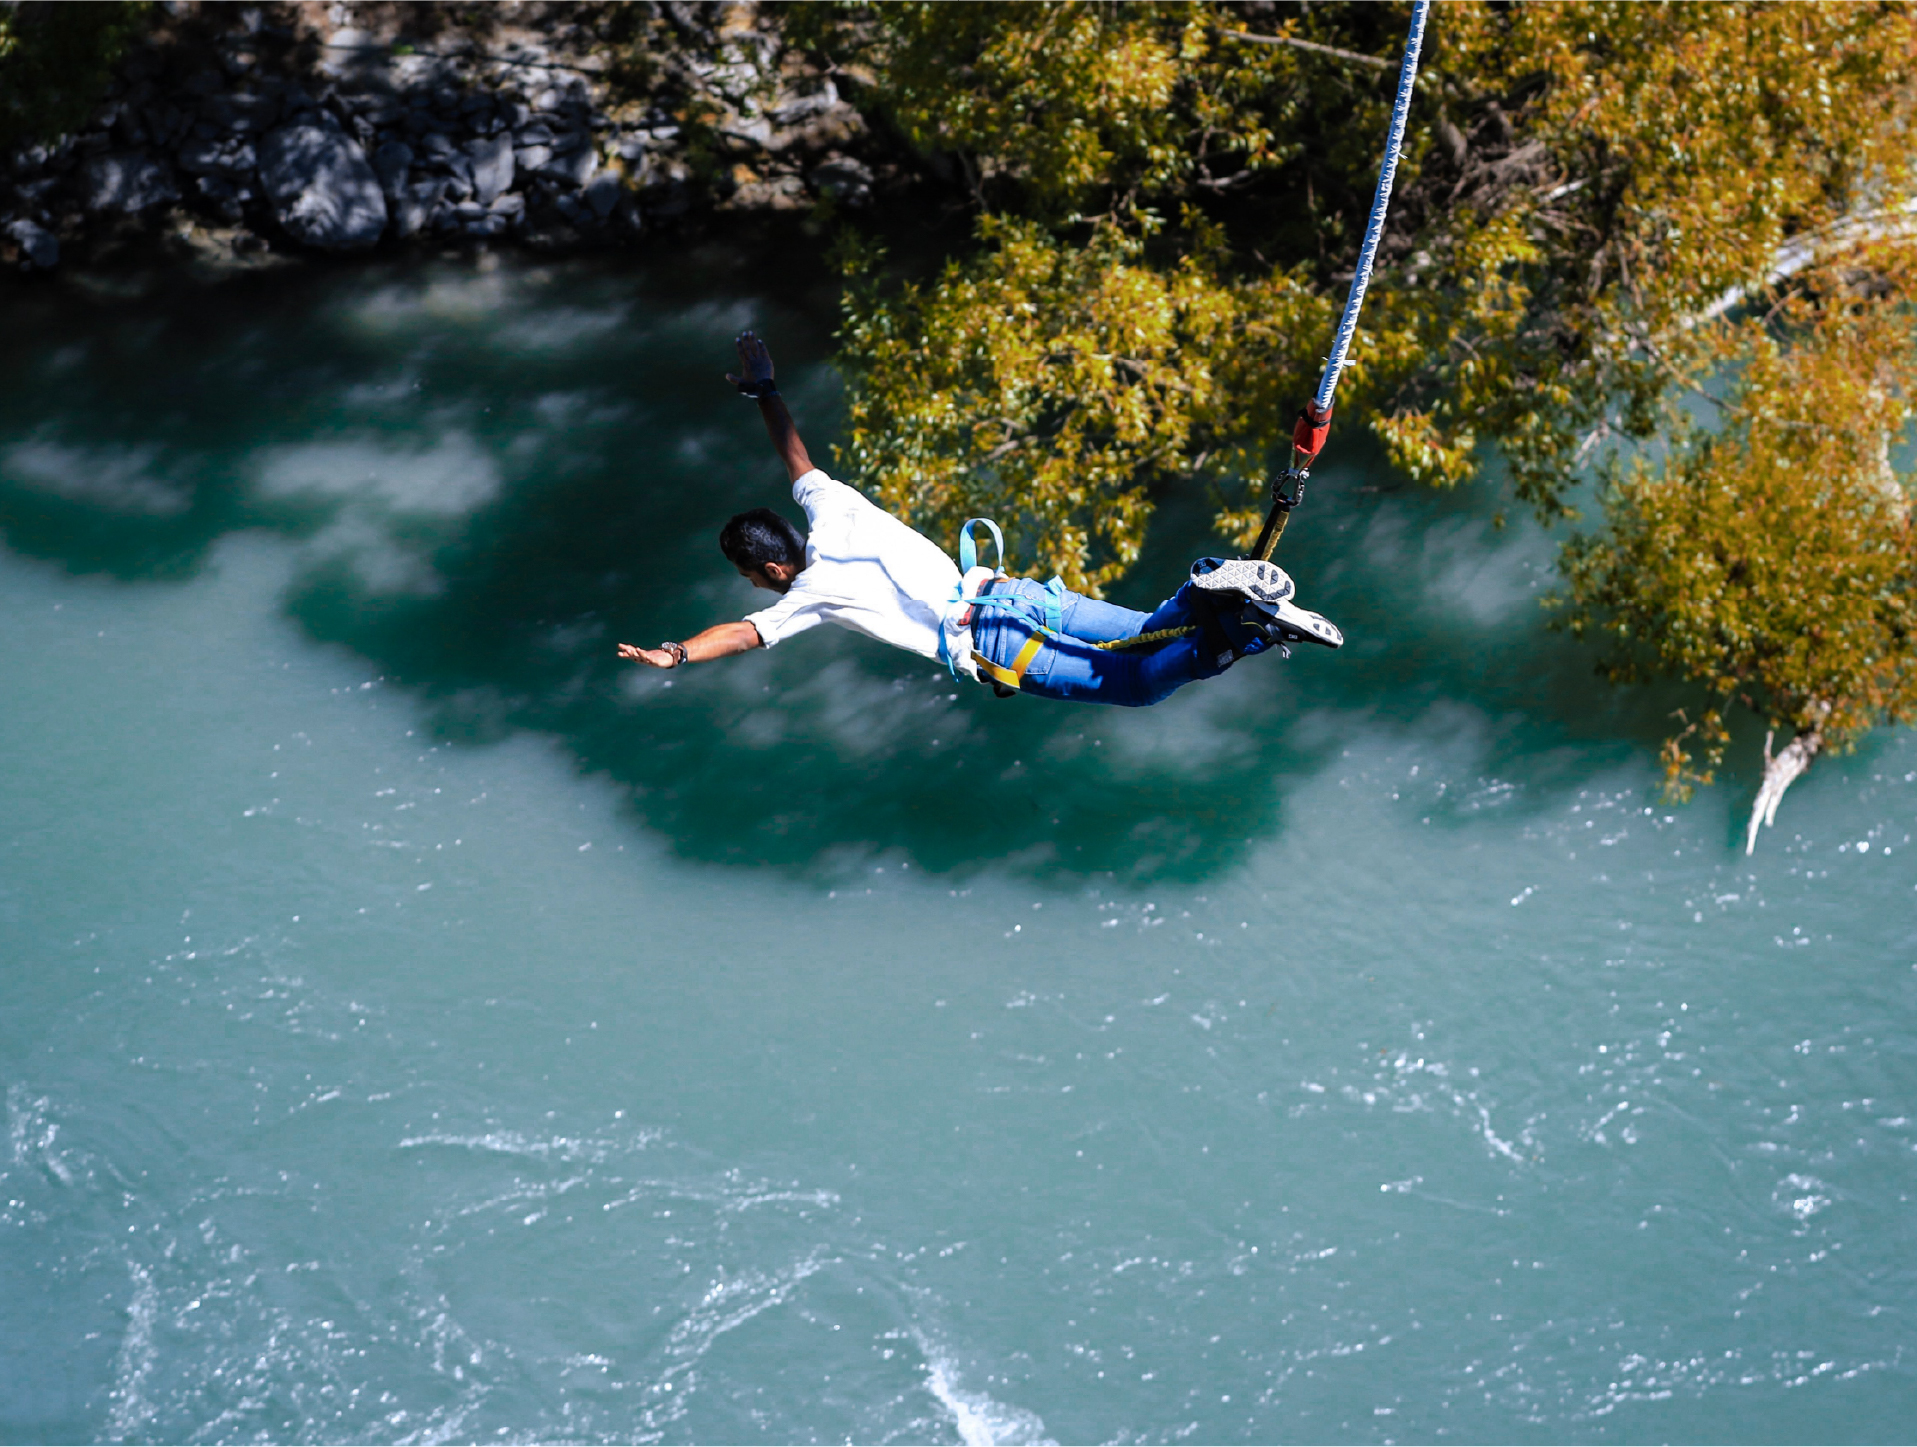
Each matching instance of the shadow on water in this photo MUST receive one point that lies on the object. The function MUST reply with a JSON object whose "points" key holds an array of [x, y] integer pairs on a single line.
{"points": [[492, 476]]}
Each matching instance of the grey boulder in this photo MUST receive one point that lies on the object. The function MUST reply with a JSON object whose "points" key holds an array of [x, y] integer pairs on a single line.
{"points": [[492, 166], [41, 246], [845, 180], [573, 160], [126, 181], [756, 129], [233, 157], [414, 207], [324, 191], [602, 193], [392, 161]]}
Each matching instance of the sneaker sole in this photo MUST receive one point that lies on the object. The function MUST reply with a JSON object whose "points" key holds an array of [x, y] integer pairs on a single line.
{"points": [[1292, 624], [1248, 577]]}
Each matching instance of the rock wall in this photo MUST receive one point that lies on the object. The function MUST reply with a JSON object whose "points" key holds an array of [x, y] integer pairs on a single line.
{"points": [[244, 132]]}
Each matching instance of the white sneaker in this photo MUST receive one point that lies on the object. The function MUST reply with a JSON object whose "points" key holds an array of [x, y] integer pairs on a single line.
{"points": [[1285, 622], [1248, 577]]}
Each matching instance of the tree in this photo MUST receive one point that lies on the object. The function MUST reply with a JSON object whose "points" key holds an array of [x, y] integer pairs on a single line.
{"points": [[55, 62], [1604, 210], [1770, 560]]}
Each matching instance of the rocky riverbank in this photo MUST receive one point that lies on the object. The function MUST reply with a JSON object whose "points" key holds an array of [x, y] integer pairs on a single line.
{"points": [[243, 133]]}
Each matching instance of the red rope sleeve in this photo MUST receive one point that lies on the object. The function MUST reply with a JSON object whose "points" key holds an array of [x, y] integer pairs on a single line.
{"points": [[1308, 434]]}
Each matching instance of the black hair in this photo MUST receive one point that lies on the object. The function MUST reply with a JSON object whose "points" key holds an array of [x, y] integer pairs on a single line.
{"points": [[753, 539]]}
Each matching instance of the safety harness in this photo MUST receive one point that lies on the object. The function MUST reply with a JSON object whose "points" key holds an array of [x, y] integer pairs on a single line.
{"points": [[1005, 679], [1010, 680]]}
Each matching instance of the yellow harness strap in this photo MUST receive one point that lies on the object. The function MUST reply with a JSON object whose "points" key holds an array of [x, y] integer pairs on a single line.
{"points": [[1013, 676]]}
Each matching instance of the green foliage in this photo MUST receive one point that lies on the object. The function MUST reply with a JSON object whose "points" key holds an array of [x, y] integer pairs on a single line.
{"points": [[1659, 158], [1770, 559], [55, 62], [1606, 213], [1056, 386], [1088, 352], [1578, 181], [1053, 104]]}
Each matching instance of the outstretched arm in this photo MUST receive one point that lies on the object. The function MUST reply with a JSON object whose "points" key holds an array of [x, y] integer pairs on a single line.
{"points": [[755, 379], [719, 642]]}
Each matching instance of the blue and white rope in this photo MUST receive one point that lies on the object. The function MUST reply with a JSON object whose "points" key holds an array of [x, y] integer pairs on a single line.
{"points": [[1348, 323]]}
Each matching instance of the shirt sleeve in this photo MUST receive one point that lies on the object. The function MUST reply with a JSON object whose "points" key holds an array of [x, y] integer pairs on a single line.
{"points": [[797, 611], [817, 492]]}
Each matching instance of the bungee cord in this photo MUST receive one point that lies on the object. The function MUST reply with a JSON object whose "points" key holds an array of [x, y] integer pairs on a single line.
{"points": [[1314, 420]]}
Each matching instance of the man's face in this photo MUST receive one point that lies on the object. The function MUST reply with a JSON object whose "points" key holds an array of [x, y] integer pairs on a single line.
{"points": [[773, 577]]}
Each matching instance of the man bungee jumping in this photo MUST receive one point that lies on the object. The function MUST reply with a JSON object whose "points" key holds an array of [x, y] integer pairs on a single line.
{"points": [[863, 569]]}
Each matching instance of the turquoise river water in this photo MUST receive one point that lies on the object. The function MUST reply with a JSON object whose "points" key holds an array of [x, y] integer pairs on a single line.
{"points": [[415, 1026]]}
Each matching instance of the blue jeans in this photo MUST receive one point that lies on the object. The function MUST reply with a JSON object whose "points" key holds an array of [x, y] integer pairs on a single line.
{"points": [[1067, 667]]}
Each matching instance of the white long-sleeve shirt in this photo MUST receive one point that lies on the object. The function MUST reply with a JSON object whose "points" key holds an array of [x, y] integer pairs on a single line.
{"points": [[867, 571]]}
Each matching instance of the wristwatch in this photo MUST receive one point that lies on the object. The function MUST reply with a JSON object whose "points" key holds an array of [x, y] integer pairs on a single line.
{"points": [[678, 652]]}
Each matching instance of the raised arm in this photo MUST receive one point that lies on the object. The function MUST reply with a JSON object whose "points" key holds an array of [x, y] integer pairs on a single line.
{"points": [[754, 378]]}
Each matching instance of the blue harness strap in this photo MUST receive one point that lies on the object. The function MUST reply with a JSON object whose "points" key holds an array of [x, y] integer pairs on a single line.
{"points": [[1055, 605], [1053, 602], [968, 548], [960, 600]]}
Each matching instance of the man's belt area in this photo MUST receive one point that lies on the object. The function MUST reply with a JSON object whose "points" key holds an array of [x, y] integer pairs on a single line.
{"points": [[1005, 681], [965, 617]]}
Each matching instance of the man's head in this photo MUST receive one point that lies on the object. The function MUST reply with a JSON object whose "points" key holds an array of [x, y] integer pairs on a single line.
{"points": [[765, 548]]}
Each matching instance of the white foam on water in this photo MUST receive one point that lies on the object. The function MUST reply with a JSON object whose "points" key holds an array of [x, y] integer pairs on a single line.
{"points": [[731, 1197], [732, 1301], [729, 1302], [383, 565], [981, 1420], [561, 328], [1801, 1196], [31, 1134], [129, 1411], [460, 298], [513, 1143], [1410, 1084]]}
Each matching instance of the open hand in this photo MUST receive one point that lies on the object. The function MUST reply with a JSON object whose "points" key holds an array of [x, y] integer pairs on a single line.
{"points": [[755, 363], [654, 657]]}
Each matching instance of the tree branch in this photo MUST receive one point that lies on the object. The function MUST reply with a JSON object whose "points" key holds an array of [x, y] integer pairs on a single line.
{"points": [[1781, 770], [1313, 46], [1889, 223]]}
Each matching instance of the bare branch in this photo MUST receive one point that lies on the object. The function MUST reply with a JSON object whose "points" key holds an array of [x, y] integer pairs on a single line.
{"points": [[1781, 770], [1591, 440], [1313, 46], [1890, 223]]}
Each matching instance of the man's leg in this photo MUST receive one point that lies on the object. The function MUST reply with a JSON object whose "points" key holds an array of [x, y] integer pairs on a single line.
{"points": [[1069, 667], [1072, 669], [1222, 635], [1097, 621]]}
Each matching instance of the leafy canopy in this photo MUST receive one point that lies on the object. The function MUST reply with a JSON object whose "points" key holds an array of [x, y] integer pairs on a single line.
{"points": [[1770, 559], [1168, 209], [1609, 217]]}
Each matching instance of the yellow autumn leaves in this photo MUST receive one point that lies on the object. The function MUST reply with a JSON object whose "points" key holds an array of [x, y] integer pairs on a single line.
{"points": [[1605, 213]]}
